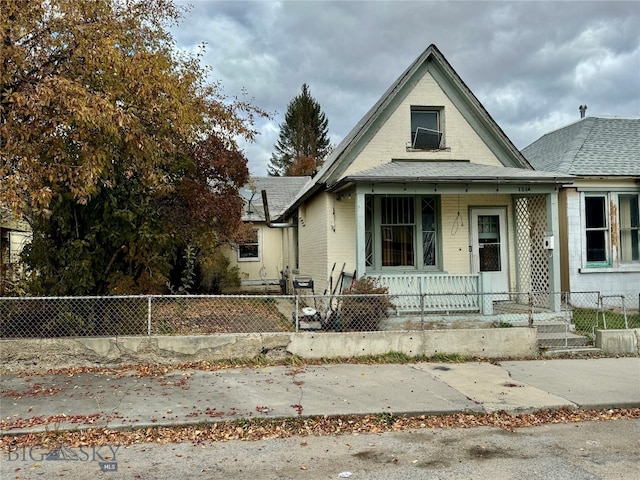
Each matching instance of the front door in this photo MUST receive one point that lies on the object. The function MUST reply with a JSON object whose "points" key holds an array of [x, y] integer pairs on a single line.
{"points": [[489, 247]]}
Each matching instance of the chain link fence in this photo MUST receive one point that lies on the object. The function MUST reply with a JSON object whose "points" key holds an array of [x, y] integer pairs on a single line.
{"points": [[562, 319]]}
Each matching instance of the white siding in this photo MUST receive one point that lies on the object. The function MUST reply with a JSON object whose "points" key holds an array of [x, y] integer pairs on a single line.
{"points": [[616, 280], [312, 239], [270, 261], [390, 142], [456, 239], [17, 241], [342, 239]]}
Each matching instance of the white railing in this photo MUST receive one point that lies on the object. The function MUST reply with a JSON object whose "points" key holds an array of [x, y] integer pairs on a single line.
{"points": [[433, 292]]}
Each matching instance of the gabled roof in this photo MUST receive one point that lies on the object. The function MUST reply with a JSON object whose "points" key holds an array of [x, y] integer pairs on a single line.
{"points": [[411, 171], [280, 191], [433, 61], [592, 146]]}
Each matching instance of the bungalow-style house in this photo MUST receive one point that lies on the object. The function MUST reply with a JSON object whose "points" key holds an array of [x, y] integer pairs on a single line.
{"points": [[428, 195], [599, 234], [261, 260]]}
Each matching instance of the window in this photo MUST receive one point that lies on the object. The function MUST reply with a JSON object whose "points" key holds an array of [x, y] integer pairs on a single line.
{"points": [[250, 251], [426, 128], [429, 231], [397, 227], [629, 211], [401, 231], [597, 230], [368, 230]]}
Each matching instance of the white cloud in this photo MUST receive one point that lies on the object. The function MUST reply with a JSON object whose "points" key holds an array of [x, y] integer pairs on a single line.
{"points": [[530, 63]]}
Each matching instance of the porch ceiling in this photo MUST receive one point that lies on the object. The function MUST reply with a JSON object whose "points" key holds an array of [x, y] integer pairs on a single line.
{"points": [[461, 171]]}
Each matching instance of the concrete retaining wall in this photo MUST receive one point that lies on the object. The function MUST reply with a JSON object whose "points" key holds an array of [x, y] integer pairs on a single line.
{"points": [[20, 354], [488, 343], [619, 342]]}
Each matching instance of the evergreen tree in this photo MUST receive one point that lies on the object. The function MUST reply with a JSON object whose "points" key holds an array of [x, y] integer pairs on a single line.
{"points": [[303, 143]]}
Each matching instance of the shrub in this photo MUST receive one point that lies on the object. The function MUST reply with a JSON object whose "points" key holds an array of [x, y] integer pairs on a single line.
{"points": [[365, 305], [216, 274]]}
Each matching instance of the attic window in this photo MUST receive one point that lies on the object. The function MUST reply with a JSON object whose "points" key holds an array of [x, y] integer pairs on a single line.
{"points": [[426, 128]]}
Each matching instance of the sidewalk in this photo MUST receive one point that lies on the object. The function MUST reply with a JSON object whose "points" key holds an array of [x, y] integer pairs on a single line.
{"points": [[97, 400]]}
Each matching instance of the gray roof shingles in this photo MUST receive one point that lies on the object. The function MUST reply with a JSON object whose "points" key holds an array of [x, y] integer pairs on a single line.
{"points": [[592, 146], [280, 192], [454, 172]]}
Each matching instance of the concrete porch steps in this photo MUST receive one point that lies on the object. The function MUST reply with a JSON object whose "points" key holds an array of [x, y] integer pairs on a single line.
{"points": [[559, 335]]}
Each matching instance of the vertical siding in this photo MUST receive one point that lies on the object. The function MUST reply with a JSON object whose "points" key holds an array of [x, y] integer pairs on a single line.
{"points": [[563, 241], [574, 237]]}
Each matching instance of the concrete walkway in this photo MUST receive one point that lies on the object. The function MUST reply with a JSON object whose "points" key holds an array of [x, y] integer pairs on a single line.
{"points": [[92, 400]]}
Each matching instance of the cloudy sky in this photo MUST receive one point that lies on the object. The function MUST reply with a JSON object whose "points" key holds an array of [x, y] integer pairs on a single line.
{"points": [[530, 63]]}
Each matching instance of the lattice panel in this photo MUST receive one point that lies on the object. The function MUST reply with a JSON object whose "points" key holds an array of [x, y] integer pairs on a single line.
{"points": [[533, 258]]}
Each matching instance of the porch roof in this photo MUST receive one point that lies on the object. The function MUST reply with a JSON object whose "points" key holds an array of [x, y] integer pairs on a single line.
{"points": [[462, 171]]}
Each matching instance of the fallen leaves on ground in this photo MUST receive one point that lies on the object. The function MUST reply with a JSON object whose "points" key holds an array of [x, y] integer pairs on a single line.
{"points": [[56, 420], [36, 389], [137, 370], [261, 429]]}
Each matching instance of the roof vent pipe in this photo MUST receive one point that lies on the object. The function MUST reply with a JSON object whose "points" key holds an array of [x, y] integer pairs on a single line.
{"points": [[267, 217], [583, 110]]}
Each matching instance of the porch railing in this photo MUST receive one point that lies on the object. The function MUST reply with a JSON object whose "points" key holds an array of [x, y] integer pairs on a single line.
{"points": [[435, 293]]}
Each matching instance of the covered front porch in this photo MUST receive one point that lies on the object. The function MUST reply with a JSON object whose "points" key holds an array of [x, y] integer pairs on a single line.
{"points": [[458, 242]]}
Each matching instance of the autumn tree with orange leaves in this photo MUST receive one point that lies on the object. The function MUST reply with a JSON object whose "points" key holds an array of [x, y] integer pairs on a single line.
{"points": [[114, 147]]}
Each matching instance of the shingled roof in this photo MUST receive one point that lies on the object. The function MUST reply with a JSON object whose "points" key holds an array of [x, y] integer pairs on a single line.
{"points": [[431, 60], [592, 146], [409, 171], [280, 192]]}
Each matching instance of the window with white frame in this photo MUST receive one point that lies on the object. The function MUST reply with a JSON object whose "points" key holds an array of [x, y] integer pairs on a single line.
{"points": [[250, 250], [426, 128], [629, 221], [401, 232]]}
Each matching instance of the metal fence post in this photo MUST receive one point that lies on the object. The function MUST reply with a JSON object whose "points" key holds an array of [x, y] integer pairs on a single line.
{"points": [[604, 318], [149, 315]]}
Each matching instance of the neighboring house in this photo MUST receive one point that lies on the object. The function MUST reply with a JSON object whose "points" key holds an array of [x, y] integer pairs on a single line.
{"points": [[262, 260], [428, 194], [14, 235], [600, 211]]}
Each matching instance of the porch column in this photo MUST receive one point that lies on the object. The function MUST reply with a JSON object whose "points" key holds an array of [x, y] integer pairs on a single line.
{"points": [[360, 235], [553, 225]]}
